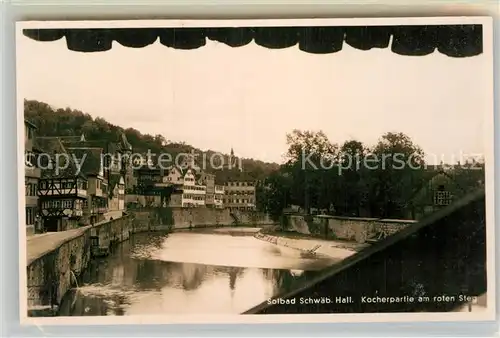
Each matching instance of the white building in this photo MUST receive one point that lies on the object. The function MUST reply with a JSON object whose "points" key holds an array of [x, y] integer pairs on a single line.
{"points": [[193, 194], [117, 193]]}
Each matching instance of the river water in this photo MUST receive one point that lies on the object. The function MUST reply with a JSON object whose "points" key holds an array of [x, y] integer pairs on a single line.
{"points": [[188, 273]]}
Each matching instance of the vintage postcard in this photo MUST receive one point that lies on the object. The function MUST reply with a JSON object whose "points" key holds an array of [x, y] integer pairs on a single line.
{"points": [[253, 171]]}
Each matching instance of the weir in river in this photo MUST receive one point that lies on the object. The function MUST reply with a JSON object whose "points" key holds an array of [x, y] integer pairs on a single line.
{"points": [[194, 272]]}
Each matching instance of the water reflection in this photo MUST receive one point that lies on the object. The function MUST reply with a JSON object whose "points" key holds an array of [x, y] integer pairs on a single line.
{"points": [[187, 273]]}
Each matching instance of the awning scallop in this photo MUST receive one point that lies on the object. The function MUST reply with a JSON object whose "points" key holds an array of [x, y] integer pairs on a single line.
{"points": [[450, 40]]}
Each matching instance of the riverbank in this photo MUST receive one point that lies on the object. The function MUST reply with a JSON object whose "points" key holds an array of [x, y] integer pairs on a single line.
{"points": [[311, 245], [55, 261]]}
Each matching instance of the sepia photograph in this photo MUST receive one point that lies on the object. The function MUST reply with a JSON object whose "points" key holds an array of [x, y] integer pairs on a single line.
{"points": [[256, 170]]}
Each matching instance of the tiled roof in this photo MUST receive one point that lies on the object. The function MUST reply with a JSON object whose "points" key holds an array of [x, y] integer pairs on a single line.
{"points": [[49, 145], [179, 169], [53, 150], [114, 179], [66, 139]]}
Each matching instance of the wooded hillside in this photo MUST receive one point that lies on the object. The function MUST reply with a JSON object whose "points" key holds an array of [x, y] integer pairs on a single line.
{"points": [[73, 122]]}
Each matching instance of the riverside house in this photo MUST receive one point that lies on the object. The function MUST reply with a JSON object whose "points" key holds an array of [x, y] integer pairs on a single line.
{"points": [[444, 186], [193, 192], [31, 176], [116, 194], [208, 180], [240, 195], [219, 196], [92, 166]]}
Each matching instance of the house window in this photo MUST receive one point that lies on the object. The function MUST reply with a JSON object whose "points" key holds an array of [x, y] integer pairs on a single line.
{"points": [[67, 185], [67, 204], [30, 189], [30, 216], [442, 197]]}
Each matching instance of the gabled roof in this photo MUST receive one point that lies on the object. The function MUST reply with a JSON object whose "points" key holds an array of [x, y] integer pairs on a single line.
{"points": [[121, 145], [50, 145], [440, 177], [66, 168], [177, 168], [114, 179], [72, 138]]}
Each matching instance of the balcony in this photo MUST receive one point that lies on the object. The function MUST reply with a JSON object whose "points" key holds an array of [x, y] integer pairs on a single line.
{"points": [[81, 192]]}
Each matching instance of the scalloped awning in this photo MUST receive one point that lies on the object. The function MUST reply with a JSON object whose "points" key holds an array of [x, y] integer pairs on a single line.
{"points": [[450, 40]]}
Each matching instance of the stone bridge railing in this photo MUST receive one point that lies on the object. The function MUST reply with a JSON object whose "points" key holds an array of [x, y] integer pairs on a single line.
{"points": [[53, 273]]}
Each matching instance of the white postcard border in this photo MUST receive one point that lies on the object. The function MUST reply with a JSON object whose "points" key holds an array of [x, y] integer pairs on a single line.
{"points": [[487, 315]]}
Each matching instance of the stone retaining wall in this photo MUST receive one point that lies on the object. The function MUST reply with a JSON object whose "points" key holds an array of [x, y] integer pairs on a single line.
{"points": [[50, 276], [159, 219]]}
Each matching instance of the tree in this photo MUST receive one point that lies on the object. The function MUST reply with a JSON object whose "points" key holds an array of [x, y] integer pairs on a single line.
{"points": [[310, 156], [353, 179], [395, 173], [352, 182], [160, 140], [276, 194]]}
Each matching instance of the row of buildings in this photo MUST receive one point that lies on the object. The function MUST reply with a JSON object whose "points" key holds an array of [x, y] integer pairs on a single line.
{"points": [[188, 186], [71, 181]]}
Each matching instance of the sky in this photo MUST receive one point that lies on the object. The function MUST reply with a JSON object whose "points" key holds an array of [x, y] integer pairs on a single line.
{"points": [[248, 98]]}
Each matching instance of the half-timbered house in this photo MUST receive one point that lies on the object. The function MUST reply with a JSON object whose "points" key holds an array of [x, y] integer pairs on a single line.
{"points": [[62, 189], [31, 176]]}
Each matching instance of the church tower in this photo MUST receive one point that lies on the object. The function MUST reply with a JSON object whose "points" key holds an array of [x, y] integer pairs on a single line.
{"points": [[233, 162]]}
